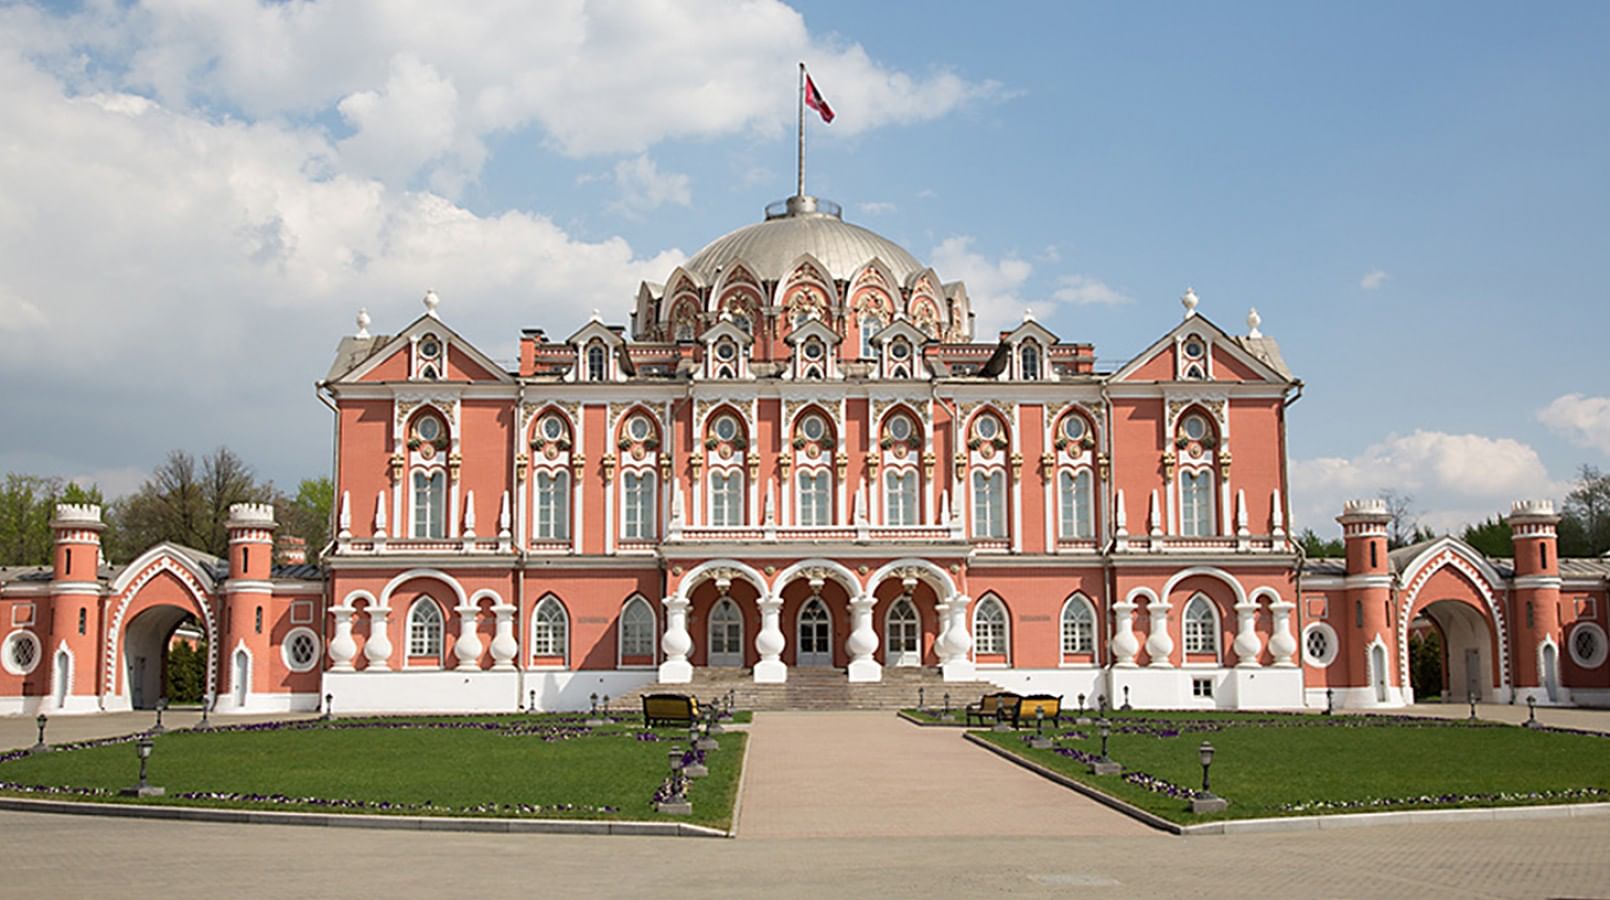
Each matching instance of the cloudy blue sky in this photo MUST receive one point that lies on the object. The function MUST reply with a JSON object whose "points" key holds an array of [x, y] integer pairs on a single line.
{"points": [[195, 197]]}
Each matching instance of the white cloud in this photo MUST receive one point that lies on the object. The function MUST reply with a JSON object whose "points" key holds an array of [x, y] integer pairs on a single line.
{"points": [[875, 207], [1373, 279], [992, 285], [1455, 479], [1082, 290], [643, 187], [1584, 421]]}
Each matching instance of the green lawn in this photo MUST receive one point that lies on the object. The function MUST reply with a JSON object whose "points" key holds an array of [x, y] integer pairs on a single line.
{"points": [[1272, 765], [516, 766]]}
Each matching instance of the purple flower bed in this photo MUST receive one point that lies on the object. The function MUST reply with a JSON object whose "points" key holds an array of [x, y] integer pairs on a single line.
{"points": [[1585, 793]]}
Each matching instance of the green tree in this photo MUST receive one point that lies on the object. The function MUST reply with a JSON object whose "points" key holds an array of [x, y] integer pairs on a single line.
{"points": [[187, 672], [1425, 665], [1316, 547], [1585, 515], [187, 502], [1492, 537], [27, 503], [309, 514]]}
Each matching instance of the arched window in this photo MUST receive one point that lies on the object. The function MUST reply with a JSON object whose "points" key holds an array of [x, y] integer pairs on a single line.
{"points": [[903, 634], [870, 326], [990, 629], [637, 517], [637, 633], [900, 498], [726, 634], [989, 504], [815, 498], [550, 629], [1078, 626], [430, 504], [1196, 503], [1029, 360], [1201, 626], [553, 505], [597, 362], [1075, 504], [727, 498], [425, 630]]}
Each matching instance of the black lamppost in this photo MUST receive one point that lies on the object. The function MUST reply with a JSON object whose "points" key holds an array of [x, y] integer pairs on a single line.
{"points": [[1039, 720], [1101, 705], [143, 789], [1330, 701], [329, 707], [203, 725], [158, 728], [533, 707], [607, 719], [947, 704], [1126, 698], [41, 746], [1106, 731], [1081, 705], [1471, 696], [920, 703], [1205, 753], [1531, 716]]}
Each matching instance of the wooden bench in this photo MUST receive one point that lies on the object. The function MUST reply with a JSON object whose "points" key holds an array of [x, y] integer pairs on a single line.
{"points": [[989, 707], [1024, 711], [669, 709]]}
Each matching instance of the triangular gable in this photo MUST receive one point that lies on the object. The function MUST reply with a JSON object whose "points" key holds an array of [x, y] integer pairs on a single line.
{"points": [[476, 365], [1030, 328], [902, 328], [1141, 367], [813, 327], [726, 328], [596, 329]]}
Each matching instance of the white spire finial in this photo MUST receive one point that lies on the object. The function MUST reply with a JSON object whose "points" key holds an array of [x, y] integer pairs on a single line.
{"points": [[597, 316], [1253, 321], [431, 301], [1028, 313], [363, 322], [1189, 301]]}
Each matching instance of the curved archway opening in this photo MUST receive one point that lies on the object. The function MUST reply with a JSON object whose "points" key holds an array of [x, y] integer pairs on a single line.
{"points": [[164, 657], [1451, 654]]}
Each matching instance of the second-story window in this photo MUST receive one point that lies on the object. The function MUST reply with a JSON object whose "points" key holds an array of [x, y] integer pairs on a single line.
{"points": [[900, 498], [815, 498], [597, 362], [1196, 503], [727, 498], [1075, 503], [430, 504], [989, 504], [638, 514], [553, 506]]}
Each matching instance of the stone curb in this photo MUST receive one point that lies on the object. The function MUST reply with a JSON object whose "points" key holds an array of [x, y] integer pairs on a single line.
{"points": [[923, 723], [343, 820], [743, 782], [1309, 823], [1134, 812]]}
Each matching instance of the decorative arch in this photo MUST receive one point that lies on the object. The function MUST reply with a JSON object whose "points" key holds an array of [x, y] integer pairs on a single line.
{"points": [[350, 601], [425, 613], [630, 639], [1079, 612], [992, 630], [708, 570], [550, 632], [1200, 609], [1448, 552], [436, 574], [1211, 572], [938, 579], [163, 557], [834, 570], [807, 287]]}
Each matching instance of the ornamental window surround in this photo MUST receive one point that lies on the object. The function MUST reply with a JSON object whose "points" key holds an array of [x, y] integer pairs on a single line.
{"points": [[637, 631], [428, 443], [901, 450], [726, 441], [550, 630], [813, 446], [551, 483], [1195, 358], [1075, 504], [430, 358], [1201, 626], [990, 628], [1196, 442], [1078, 626], [425, 630], [1028, 354], [597, 362]]}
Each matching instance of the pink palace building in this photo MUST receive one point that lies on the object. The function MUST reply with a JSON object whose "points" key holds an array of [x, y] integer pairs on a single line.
{"points": [[798, 461]]}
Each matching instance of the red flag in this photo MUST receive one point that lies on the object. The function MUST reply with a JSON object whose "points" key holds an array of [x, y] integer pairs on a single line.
{"points": [[814, 99]]}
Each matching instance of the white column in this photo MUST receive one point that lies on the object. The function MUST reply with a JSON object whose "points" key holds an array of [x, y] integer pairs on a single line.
{"points": [[377, 650], [677, 643], [769, 643], [941, 647], [1247, 645], [468, 649], [1159, 644], [504, 646], [1282, 643], [863, 641], [342, 647], [1124, 643], [959, 641]]}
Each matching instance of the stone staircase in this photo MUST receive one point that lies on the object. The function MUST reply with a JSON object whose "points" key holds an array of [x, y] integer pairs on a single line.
{"points": [[818, 689]]}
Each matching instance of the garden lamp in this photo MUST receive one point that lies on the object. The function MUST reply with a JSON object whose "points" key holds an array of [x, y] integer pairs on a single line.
{"points": [[329, 707], [1472, 698], [1106, 731], [1126, 697], [162, 704], [144, 747], [1039, 719], [41, 746], [1330, 700], [919, 698], [1531, 716], [1205, 753], [1081, 704]]}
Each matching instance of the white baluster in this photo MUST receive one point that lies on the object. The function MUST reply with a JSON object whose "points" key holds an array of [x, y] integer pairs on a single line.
{"points": [[960, 642], [1124, 643], [342, 647], [769, 643], [863, 642], [1247, 644], [1159, 644], [1282, 643], [677, 643], [468, 648], [504, 646], [377, 649]]}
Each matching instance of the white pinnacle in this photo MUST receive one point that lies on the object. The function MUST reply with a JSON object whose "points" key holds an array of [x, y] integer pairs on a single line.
{"points": [[1028, 313], [1253, 321], [1189, 301], [431, 301], [363, 322]]}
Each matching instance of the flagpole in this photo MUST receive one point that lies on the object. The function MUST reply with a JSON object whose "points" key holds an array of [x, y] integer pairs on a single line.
{"points": [[800, 186]]}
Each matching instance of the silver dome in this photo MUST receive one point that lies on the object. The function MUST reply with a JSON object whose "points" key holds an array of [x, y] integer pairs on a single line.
{"points": [[794, 227]]}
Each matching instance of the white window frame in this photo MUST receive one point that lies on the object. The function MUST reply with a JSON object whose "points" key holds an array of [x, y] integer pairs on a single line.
{"points": [[1004, 649], [636, 601], [1075, 504], [1211, 635], [1588, 662], [1029, 369], [902, 497], [9, 648], [638, 507], [1332, 645], [813, 498], [1198, 517], [291, 637], [550, 505], [716, 621], [597, 365], [989, 504], [422, 639], [890, 621], [727, 498], [428, 504], [1076, 603], [546, 632]]}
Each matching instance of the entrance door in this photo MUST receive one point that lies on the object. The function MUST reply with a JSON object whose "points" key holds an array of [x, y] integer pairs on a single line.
{"points": [[1472, 674], [137, 682], [726, 635], [1551, 672], [63, 677], [242, 672], [815, 635], [1378, 670], [903, 636]]}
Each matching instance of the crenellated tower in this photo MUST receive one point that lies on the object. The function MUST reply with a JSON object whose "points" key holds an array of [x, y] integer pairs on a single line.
{"points": [[247, 629], [1535, 602], [70, 631], [1366, 624]]}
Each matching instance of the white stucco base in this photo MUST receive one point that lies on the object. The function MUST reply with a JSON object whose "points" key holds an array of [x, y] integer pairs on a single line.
{"points": [[1357, 698], [1158, 688], [1598, 698], [269, 703], [451, 691], [1563, 696], [1263, 688]]}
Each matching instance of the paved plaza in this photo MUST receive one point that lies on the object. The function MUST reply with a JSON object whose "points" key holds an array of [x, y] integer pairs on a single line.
{"points": [[834, 802]]}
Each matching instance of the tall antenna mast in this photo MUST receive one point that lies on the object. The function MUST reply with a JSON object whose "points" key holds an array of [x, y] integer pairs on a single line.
{"points": [[799, 190]]}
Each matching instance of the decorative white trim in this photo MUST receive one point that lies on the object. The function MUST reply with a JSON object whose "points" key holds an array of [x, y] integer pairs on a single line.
{"points": [[1598, 658], [7, 648], [938, 578], [1211, 571], [391, 586], [1452, 552], [1332, 644], [285, 650], [166, 559]]}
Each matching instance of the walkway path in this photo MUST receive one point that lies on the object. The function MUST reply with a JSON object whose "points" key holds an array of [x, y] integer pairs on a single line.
{"points": [[855, 774], [21, 731]]}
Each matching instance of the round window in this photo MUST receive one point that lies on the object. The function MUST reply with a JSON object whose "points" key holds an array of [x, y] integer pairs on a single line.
{"points": [[21, 652], [637, 428], [1194, 428], [725, 350], [987, 428], [430, 348], [813, 350], [301, 649], [1588, 647], [1319, 644], [1194, 349], [1073, 428], [900, 428], [900, 350], [552, 428], [813, 428], [429, 428], [726, 428]]}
